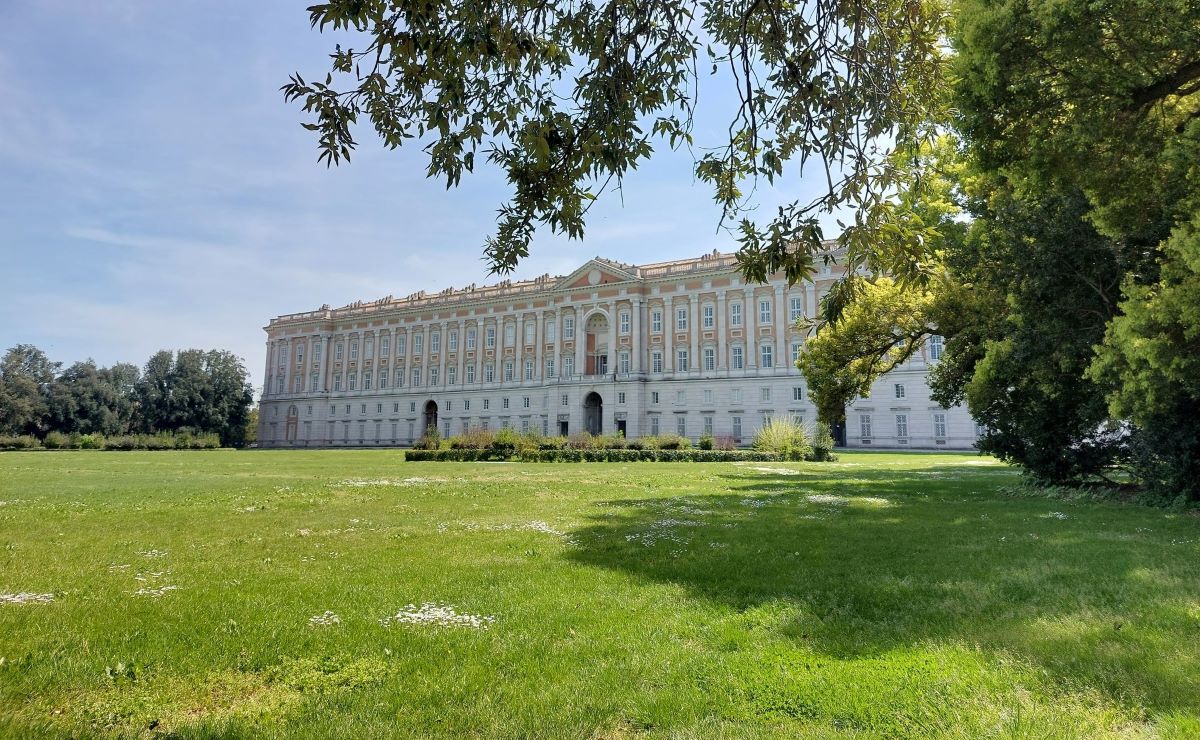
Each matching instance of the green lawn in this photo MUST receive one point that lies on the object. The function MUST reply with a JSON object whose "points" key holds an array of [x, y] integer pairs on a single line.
{"points": [[883, 595]]}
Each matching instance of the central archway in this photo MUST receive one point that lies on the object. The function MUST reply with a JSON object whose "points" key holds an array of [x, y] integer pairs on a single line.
{"points": [[593, 413], [431, 418]]}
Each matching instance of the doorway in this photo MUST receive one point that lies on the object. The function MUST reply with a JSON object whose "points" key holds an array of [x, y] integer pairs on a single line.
{"points": [[593, 413], [431, 418]]}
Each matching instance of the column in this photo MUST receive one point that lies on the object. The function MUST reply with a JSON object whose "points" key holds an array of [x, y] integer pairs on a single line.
{"points": [[668, 336], [425, 332], [781, 357], [461, 359], [271, 350], [612, 336], [325, 347], [287, 367], [444, 330], [478, 350], [408, 349], [580, 343], [810, 298], [721, 323], [558, 339], [750, 316], [519, 348], [539, 348], [694, 332], [635, 343]]}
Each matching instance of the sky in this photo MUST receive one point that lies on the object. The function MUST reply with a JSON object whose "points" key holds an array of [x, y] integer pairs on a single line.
{"points": [[156, 192]]}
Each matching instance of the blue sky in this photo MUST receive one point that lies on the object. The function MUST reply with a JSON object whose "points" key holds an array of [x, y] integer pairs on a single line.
{"points": [[157, 193]]}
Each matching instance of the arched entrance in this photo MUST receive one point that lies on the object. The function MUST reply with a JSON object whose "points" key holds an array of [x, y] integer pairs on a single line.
{"points": [[430, 419], [593, 413], [596, 345]]}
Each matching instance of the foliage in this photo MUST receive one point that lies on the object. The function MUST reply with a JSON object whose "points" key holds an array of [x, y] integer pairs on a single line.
{"points": [[196, 389], [26, 375], [589, 454], [784, 438], [881, 328], [1150, 363], [706, 442], [18, 442], [822, 443], [566, 98]]}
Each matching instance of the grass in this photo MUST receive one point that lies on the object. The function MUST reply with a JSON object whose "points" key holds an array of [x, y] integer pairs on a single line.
{"points": [[884, 595]]}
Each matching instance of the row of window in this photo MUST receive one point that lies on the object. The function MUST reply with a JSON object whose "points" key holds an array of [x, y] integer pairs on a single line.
{"points": [[866, 425], [708, 321]]}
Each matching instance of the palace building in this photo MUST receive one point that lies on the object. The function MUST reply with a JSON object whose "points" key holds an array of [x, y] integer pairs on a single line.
{"points": [[684, 347]]}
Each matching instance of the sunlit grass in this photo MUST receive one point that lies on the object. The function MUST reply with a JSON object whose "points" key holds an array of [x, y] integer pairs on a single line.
{"points": [[883, 595]]}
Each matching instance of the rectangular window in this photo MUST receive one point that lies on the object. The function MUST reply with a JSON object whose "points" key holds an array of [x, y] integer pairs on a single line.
{"points": [[681, 319], [795, 352], [471, 338], [737, 361], [333, 410], [708, 395], [656, 365], [735, 395], [656, 322], [681, 361], [487, 404], [433, 375], [369, 348], [401, 344], [708, 425], [416, 377], [395, 408], [466, 404], [901, 425], [568, 366], [470, 374], [452, 375], [551, 330], [452, 341], [899, 390], [681, 425], [708, 319], [939, 425], [530, 329], [354, 350], [353, 381], [489, 373], [385, 346], [764, 311], [337, 351], [312, 382], [317, 352], [621, 397], [798, 393], [525, 402], [654, 429], [680, 397], [300, 354], [565, 400], [624, 322], [767, 353], [504, 402], [337, 383], [654, 397], [510, 332], [489, 337], [435, 342], [418, 344], [367, 380], [710, 359], [529, 369], [412, 409], [735, 314], [379, 408], [568, 327], [623, 363], [936, 345], [549, 367], [765, 393], [737, 427], [797, 309], [508, 371]]}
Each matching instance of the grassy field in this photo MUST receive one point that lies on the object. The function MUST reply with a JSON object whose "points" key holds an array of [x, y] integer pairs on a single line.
{"points": [[883, 595]]}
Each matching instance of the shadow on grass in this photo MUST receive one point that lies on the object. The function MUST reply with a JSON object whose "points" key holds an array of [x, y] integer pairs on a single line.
{"points": [[856, 563]]}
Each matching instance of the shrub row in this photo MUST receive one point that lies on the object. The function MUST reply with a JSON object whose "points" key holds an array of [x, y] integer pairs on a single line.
{"points": [[602, 455], [161, 441]]}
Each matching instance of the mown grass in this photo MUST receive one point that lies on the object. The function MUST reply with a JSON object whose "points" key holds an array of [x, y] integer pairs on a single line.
{"points": [[883, 595]]}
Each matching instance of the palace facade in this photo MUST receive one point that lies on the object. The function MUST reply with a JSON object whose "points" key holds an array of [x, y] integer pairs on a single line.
{"points": [[684, 347]]}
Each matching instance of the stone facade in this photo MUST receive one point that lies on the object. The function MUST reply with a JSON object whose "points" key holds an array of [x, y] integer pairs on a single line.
{"points": [[675, 347]]}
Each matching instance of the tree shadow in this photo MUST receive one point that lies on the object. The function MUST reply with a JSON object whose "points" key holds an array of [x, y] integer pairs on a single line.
{"points": [[861, 563]]}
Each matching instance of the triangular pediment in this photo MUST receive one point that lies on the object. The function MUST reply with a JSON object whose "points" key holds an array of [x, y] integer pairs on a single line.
{"points": [[597, 272]]}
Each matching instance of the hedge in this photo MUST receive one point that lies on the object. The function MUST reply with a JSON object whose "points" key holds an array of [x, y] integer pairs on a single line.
{"points": [[75, 441], [570, 455]]}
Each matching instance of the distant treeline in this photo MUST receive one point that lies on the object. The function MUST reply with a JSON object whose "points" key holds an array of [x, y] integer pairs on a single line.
{"points": [[193, 392]]}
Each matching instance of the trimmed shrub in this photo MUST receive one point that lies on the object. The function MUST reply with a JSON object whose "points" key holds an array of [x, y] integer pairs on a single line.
{"points": [[55, 441], [706, 442], [18, 442], [89, 441], [822, 443], [428, 441], [785, 438]]}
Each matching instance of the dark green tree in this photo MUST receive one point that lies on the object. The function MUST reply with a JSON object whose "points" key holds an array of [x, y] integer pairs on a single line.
{"points": [[89, 400], [26, 376]]}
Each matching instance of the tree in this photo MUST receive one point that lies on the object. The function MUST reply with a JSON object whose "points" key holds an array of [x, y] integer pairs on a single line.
{"points": [[90, 400], [195, 390], [881, 328], [568, 97], [25, 378]]}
